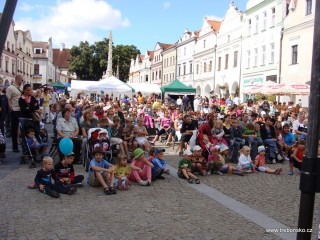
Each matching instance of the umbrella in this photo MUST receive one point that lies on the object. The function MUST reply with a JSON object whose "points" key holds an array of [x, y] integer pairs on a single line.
{"points": [[67, 84], [58, 84], [293, 89], [260, 88]]}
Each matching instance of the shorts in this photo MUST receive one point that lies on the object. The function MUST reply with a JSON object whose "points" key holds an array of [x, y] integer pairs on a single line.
{"points": [[185, 138], [93, 181], [296, 163], [224, 168], [115, 141], [262, 169], [141, 140]]}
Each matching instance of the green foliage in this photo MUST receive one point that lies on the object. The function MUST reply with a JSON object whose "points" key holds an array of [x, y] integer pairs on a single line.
{"points": [[89, 62]]}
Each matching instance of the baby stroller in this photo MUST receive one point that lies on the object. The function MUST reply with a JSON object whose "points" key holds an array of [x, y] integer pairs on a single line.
{"points": [[94, 141], [30, 146]]}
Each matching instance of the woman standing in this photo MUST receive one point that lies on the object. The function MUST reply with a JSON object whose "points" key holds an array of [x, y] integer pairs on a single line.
{"points": [[46, 99]]}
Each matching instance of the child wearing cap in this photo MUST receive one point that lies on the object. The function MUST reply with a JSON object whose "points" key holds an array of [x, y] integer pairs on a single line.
{"points": [[100, 172], [260, 163], [199, 163], [141, 168], [43, 181], [159, 164], [64, 172], [184, 168], [297, 156]]}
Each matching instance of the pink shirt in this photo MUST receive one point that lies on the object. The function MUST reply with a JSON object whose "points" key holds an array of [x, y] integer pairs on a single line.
{"points": [[261, 160], [139, 164]]}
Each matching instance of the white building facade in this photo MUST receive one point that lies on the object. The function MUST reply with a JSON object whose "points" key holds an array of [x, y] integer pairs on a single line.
{"points": [[185, 49], [262, 26], [297, 44], [205, 56], [229, 50]]}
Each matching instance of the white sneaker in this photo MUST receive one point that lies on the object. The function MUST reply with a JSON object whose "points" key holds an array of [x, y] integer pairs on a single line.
{"points": [[274, 161], [144, 183], [279, 157], [286, 158]]}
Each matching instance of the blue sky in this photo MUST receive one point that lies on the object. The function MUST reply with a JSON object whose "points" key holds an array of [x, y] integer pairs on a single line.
{"points": [[138, 22]]}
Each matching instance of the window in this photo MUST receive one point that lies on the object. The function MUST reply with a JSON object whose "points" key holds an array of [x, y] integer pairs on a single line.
{"points": [[173, 61], [152, 76], [191, 68], [257, 24], [156, 75], [235, 59], [160, 75], [197, 69], [179, 70], [249, 27], [272, 53], [226, 61], [273, 17], [12, 47], [219, 64], [184, 69], [294, 54], [263, 57], [204, 43], [255, 56], [264, 26], [12, 67], [170, 61], [205, 67], [184, 51], [309, 7], [8, 45], [248, 58], [210, 66], [37, 50], [147, 78], [7, 64]]}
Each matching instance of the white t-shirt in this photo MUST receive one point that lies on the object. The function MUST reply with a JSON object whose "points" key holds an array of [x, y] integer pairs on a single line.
{"points": [[179, 101]]}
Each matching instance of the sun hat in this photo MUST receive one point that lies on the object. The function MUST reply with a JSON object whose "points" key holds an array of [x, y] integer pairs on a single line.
{"points": [[197, 148], [213, 148], [98, 150], [159, 150], [223, 148], [137, 153], [187, 152], [261, 148]]}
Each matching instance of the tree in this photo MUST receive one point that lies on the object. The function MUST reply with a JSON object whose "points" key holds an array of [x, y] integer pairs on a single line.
{"points": [[89, 62]]}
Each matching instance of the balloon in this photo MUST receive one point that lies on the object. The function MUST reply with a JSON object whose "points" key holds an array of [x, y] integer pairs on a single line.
{"points": [[66, 146]]}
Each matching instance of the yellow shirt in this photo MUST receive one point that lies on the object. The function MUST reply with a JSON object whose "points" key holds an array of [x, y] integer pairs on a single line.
{"points": [[122, 171], [46, 99]]}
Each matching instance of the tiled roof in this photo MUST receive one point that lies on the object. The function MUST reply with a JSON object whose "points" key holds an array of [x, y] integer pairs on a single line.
{"points": [[165, 46], [151, 53], [61, 58], [215, 25], [43, 46]]}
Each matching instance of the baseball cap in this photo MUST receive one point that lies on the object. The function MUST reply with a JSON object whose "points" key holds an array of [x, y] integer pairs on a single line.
{"points": [[187, 152], [159, 150], [261, 148], [197, 148], [70, 154]]}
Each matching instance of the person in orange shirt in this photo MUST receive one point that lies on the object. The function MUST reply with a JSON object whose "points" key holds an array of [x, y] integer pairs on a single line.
{"points": [[297, 156], [140, 98], [260, 163]]}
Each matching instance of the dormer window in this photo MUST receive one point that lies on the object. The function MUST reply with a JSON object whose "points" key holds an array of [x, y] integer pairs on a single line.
{"points": [[37, 51]]}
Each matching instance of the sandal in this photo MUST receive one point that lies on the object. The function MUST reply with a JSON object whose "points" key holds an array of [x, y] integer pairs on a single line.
{"points": [[113, 190], [107, 191], [190, 180], [197, 181]]}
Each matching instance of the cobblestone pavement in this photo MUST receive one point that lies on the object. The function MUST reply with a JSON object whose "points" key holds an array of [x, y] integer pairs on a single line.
{"points": [[169, 209]]}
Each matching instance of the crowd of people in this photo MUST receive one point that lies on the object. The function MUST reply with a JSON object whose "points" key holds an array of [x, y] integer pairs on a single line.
{"points": [[215, 135]]}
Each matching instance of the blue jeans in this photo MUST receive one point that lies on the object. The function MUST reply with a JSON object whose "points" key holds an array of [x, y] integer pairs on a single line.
{"points": [[272, 145]]}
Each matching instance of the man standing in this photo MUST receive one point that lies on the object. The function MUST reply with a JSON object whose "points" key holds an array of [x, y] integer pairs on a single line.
{"points": [[196, 103], [13, 94]]}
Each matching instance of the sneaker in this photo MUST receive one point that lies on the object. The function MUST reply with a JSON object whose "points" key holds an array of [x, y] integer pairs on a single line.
{"points": [[286, 158], [161, 177], [190, 180], [279, 157], [274, 161], [113, 190], [144, 183], [290, 173], [107, 191]]}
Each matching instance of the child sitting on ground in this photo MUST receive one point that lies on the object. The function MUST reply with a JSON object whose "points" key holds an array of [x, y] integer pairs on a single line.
{"points": [[245, 163], [100, 172], [260, 162], [121, 172], [184, 168], [217, 161], [297, 156], [64, 172], [199, 163], [141, 168], [159, 164], [43, 181]]}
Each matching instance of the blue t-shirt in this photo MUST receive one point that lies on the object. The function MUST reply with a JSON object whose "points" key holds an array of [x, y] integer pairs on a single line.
{"points": [[158, 163], [289, 139], [94, 162]]}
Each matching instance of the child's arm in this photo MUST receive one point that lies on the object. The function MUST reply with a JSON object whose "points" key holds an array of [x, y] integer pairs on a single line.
{"points": [[135, 168], [148, 163], [100, 169]]}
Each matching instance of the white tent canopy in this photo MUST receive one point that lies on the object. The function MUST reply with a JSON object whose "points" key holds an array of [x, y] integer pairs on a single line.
{"points": [[146, 88], [110, 84]]}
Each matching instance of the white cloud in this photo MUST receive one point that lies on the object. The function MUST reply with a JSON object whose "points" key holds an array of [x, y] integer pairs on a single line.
{"points": [[166, 5], [73, 21], [25, 7]]}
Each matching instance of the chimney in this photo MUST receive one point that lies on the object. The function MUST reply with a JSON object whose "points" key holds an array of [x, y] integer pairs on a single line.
{"points": [[62, 46]]}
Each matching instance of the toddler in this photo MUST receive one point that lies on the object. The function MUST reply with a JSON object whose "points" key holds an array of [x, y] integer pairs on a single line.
{"points": [[102, 140], [43, 181], [159, 164], [199, 163], [245, 162], [121, 172], [34, 144], [260, 162], [218, 132], [297, 156], [184, 168], [141, 168]]}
